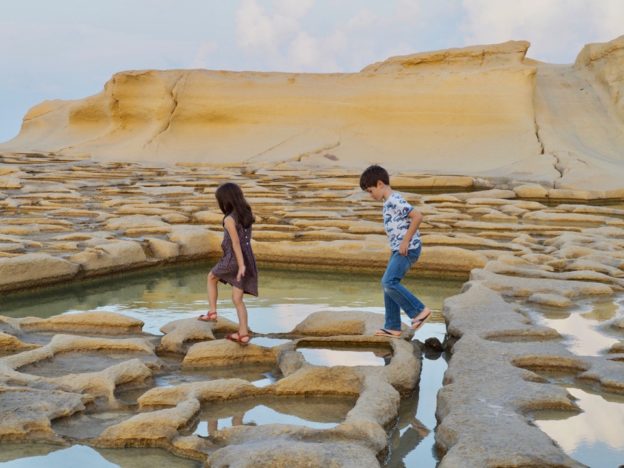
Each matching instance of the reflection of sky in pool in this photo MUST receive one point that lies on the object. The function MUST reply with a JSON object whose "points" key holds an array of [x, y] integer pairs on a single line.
{"points": [[79, 456], [333, 357], [262, 414], [595, 436], [581, 326]]}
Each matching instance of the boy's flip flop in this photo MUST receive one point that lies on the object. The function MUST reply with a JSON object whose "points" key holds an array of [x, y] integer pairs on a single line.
{"points": [[209, 317], [417, 323], [387, 333]]}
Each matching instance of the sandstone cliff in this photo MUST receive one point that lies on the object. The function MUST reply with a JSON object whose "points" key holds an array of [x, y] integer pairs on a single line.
{"points": [[482, 111]]}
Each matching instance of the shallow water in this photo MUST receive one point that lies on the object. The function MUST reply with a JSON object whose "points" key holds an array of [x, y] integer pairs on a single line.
{"points": [[286, 298], [583, 326], [594, 436], [412, 443], [343, 356], [317, 413], [79, 362], [79, 456]]}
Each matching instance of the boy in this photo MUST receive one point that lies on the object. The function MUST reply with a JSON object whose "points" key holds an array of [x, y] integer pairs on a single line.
{"points": [[401, 223]]}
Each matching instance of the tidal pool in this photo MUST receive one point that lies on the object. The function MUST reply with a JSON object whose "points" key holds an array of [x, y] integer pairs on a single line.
{"points": [[583, 325], [595, 436], [345, 356], [317, 413], [79, 456], [286, 298]]}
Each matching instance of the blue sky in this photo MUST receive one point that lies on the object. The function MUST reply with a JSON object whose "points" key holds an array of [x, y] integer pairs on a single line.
{"points": [[68, 49]]}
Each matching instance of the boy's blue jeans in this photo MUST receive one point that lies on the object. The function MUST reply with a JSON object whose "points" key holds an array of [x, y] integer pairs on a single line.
{"points": [[397, 296]]}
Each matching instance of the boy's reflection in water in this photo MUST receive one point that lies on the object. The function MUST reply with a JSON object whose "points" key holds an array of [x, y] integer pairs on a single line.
{"points": [[409, 431]]}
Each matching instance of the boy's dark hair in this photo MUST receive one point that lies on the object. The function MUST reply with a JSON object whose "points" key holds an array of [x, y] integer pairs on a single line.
{"points": [[232, 201], [373, 174]]}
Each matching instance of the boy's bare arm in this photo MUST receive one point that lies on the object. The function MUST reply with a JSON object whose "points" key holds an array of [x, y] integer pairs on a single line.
{"points": [[230, 225], [416, 218]]}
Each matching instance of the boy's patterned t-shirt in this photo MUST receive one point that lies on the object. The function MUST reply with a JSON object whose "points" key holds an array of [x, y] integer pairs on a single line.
{"points": [[396, 218]]}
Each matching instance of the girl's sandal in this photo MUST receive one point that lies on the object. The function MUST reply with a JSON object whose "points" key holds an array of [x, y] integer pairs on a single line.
{"points": [[242, 340], [209, 317]]}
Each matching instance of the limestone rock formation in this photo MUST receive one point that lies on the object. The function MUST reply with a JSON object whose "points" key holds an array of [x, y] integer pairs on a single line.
{"points": [[482, 110]]}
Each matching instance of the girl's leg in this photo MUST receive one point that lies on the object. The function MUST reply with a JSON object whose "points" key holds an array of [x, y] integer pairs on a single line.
{"points": [[213, 292], [241, 311]]}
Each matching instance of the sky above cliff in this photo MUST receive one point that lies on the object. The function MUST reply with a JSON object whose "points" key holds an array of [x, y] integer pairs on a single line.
{"points": [[68, 49]]}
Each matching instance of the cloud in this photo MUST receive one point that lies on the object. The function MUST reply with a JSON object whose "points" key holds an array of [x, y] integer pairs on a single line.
{"points": [[258, 30], [557, 29], [280, 37], [204, 51]]}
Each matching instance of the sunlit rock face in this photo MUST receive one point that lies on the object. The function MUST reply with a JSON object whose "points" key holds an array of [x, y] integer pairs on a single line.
{"points": [[481, 110]]}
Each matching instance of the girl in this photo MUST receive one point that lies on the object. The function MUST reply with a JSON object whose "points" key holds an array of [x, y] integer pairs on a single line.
{"points": [[238, 264]]}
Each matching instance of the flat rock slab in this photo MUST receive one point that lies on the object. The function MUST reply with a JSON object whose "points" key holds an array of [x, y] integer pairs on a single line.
{"points": [[290, 453], [105, 323], [226, 353], [27, 412], [32, 268], [329, 323], [178, 332]]}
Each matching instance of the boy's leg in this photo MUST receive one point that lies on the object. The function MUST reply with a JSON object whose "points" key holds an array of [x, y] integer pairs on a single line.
{"points": [[393, 309], [393, 314], [398, 266]]}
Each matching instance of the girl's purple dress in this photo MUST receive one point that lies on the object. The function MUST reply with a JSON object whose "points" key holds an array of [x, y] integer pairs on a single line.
{"points": [[227, 267]]}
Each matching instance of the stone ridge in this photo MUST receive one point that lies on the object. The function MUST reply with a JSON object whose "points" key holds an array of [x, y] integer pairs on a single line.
{"points": [[506, 53]]}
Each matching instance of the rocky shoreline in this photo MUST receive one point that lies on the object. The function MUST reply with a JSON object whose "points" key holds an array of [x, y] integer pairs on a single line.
{"points": [[518, 245]]}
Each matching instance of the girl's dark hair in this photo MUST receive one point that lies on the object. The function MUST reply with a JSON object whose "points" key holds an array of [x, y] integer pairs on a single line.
{"points": [[232, 201], [371, 175]]}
